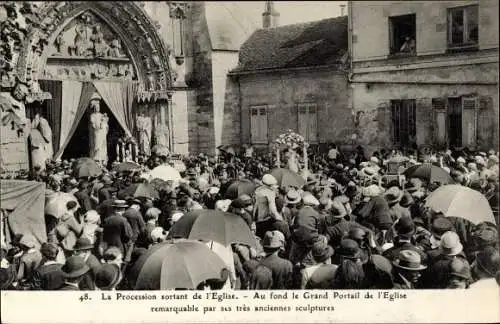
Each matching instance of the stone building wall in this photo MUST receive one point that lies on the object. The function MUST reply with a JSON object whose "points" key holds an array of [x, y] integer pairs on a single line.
{"points": [[283, 91]]}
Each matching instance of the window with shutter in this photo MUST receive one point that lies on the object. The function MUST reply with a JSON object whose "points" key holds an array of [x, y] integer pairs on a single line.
{"points": [[302, 120], [439, 107], [308, 121], [312, 130], [404, 122], [258, 124]]}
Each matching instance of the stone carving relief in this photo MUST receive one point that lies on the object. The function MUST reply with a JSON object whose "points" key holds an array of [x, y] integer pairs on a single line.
{"points": [[94, 52]]}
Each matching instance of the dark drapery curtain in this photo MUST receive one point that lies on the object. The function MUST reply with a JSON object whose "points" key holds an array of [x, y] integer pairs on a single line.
{"points": [[87, 91], [51, 109]]}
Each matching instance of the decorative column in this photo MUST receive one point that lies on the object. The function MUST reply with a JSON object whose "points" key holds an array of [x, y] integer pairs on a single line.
{"points": [[170, 124], [177, 54]]}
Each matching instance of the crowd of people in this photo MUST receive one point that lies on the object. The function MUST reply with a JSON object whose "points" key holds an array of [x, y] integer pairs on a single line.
{"points": [[348, 227]]}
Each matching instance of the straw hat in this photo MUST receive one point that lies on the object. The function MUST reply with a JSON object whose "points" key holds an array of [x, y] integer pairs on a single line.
{"points": [[269, 180], [309, 199], [273, 240], [409, 260], [450, 244], [292, 197]]}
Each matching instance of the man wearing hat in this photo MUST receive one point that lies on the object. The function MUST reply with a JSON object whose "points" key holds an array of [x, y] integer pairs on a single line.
{"points": [[293, 203], [108, 277], [405, 230], [265, 212], [243, 206], [73, 271], [485, 270], [393, 195], [319, 275], [134, 217], [273, 243], [450, 248], [440, 225], [83, 248], [117, 230], [407, 269], [48, 275], [308, 217], [458, 275]]}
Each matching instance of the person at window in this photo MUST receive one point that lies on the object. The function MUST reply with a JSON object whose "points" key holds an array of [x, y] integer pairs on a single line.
{"points": [[408, 46]]}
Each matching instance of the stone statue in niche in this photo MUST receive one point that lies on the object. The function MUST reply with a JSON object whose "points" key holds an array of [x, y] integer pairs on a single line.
{"points": [[144, 127], [156, 60], [162, 136], [100, 46], [98, 131], [41, 141], [151, 82], [81, 43], [59, 44], [115, 49]]}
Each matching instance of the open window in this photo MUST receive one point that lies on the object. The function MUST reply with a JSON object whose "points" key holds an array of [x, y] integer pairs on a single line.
{"points": [[463, 27], [403, 35]]}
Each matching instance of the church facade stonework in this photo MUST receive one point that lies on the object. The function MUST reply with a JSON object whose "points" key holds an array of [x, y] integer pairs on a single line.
{"points": [[153, 45]]}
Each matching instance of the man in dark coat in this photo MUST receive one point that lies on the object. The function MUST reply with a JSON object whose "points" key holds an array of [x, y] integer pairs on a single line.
{"points": [[116, 228], [107, 190], [73, 271], [135, 219], [83, 248], [281, 269], [48, 276], [407, 268], [405, 229], [83, 196]]}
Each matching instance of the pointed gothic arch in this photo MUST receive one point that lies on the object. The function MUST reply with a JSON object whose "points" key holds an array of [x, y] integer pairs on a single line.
{"points": [[137, 32]]}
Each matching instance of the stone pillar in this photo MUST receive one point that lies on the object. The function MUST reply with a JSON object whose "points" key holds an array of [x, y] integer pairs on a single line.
{"points": [[170, 117]]}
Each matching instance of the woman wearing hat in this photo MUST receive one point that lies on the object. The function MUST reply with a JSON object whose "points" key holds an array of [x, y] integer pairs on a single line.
{"points": [[407, 270]]}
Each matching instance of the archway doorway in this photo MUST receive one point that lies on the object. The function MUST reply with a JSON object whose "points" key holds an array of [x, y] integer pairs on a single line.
{"points": [[78, 145]]}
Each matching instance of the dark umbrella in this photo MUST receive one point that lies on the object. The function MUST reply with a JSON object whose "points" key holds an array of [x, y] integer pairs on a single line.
{"points": [[86, 167], [126, 166], [178, 264], [138, 190], [288, 178], [213, 225], [428, 172], [228, 149], [240, 187]]}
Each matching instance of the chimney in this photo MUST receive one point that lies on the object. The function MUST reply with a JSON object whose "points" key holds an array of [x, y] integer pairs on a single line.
{"points": [[342, 9], [270, 17]]}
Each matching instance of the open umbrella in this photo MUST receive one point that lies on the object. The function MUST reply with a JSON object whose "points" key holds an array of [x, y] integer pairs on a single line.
{"points": [[228, 149], [460, 201], [126, 166], [55, 204], [429, 173], [240, 187], [86, 167], [180, 264], [288, 178], [213, 225], [136, 190], [164, 172]]}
